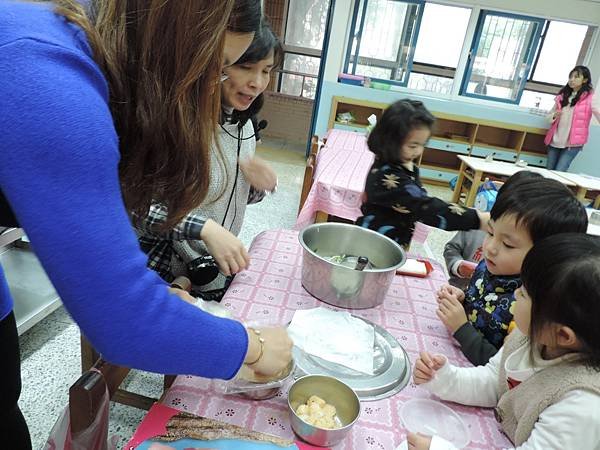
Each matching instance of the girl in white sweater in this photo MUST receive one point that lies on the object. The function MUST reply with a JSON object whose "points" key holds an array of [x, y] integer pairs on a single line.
{"points": [[545, 382]]}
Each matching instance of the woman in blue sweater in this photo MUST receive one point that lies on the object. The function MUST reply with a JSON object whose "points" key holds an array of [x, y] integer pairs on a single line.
{"points": [[103, 111]]}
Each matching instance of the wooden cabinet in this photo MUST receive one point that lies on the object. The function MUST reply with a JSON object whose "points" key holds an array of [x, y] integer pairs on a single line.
{"points": [[360, 110], [454, 135]]}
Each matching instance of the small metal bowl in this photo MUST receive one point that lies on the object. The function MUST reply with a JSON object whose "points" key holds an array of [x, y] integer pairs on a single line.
{"points": [[264, 393], [335, 393]]}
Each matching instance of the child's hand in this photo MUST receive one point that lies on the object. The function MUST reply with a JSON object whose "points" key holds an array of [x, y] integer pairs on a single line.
{"points": [[426, 366], [449, 291], [418, 441], [465, 269], [452, 313]]}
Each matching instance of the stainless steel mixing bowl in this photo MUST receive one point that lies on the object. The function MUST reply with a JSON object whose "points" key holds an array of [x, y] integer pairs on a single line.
{"points": [[330, 255]]}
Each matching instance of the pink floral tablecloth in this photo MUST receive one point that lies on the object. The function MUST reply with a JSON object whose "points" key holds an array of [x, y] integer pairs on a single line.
{"points": [[271, 290], [339, 180]]}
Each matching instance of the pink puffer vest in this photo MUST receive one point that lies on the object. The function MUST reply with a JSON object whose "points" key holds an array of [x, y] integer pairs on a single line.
{"points": [[580, 125]]}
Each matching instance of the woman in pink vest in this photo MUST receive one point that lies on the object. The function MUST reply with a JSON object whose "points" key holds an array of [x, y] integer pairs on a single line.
{"points": [[571, 118]]}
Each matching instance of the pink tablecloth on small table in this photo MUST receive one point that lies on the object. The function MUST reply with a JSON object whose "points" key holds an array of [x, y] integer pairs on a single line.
{"points": [[271, 290], [339, 178]]}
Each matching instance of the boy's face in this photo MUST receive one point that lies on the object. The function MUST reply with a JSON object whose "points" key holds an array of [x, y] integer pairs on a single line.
{"points": [[506, 245]]}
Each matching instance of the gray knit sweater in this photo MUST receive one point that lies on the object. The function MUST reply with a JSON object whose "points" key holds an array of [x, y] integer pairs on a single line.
{"points": [[222, 178]]}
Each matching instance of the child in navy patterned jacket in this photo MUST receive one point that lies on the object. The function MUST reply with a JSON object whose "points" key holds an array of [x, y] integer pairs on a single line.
{"points": [[395, 199], [527, 209]]}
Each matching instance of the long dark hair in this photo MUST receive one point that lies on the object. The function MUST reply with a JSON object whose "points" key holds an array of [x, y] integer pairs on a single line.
{"points": [[264, 42], [393, 128], [561, 274], [566, 90], [162, 60]]}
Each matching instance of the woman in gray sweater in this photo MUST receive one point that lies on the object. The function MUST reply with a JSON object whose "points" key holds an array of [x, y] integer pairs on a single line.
{"points": [[204, 245]]}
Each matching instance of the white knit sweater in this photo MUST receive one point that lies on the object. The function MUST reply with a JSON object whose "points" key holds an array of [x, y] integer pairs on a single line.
{"points": [[222, 178]]}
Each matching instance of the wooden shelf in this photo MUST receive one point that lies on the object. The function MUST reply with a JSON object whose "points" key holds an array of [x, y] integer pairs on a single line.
{"points": [[495, 147], [435, 167], [499, 137], [351, 124], [434, 158], [543, 153], [360, 112], [445, 138], [534, 143], [457, 134], [454, 130]]}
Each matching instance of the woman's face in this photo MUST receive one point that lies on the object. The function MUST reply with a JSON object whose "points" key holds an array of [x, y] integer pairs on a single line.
{"points": [[235, 46], [576, 80], [246, 82]]}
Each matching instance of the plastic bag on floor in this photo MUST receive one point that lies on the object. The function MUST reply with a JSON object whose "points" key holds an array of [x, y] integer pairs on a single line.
{"points": [[94, 437]]}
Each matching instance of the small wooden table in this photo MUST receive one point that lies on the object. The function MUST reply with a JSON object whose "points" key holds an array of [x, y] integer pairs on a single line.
{"points": [[584, 184], [476, 170]]}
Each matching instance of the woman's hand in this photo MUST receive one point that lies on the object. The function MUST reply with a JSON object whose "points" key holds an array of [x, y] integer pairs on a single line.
{"points": [[426, 367], [276, 352], [556, 115], [229, 252], [259, 174], [418, 441]]}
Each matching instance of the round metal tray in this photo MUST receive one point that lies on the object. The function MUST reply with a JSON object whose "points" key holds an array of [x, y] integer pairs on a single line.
{"points": [[390, 361]]}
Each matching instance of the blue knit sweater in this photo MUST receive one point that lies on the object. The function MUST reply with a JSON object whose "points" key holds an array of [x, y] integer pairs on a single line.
{"points": [[59, 172]]}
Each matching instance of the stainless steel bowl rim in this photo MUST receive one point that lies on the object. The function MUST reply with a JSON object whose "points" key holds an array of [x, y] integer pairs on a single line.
{"points": [[347, 225], [339, 381]]}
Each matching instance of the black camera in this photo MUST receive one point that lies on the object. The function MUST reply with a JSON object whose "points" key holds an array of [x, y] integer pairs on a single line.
{"points": [[202, 270]]}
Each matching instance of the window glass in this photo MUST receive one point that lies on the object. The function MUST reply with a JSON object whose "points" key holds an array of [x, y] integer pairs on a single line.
{"points": [[560, 51], [502, 56], [442, 34], [300, 85], [384, 38], [306, 23]]}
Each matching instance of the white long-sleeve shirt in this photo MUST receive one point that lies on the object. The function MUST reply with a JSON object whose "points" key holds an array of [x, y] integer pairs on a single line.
{"points": [[571, 423]]}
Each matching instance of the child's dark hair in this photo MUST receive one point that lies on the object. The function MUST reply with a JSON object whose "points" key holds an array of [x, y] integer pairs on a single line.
{"points": [[566, 90], [263, 43], [393, 128], [543, 206], [561, 274]]}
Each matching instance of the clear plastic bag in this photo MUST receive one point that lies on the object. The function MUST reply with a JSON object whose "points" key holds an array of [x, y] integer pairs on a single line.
{"points": [[244, 383]]}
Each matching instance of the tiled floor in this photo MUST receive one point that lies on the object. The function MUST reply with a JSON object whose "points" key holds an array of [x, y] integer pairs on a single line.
{"points": [[50, 350]]}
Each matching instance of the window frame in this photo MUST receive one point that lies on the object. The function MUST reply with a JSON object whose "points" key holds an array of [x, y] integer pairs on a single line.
{"points": [[461, 74], [295, 50], [354, 34], [551, 88], [533, 50]]}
